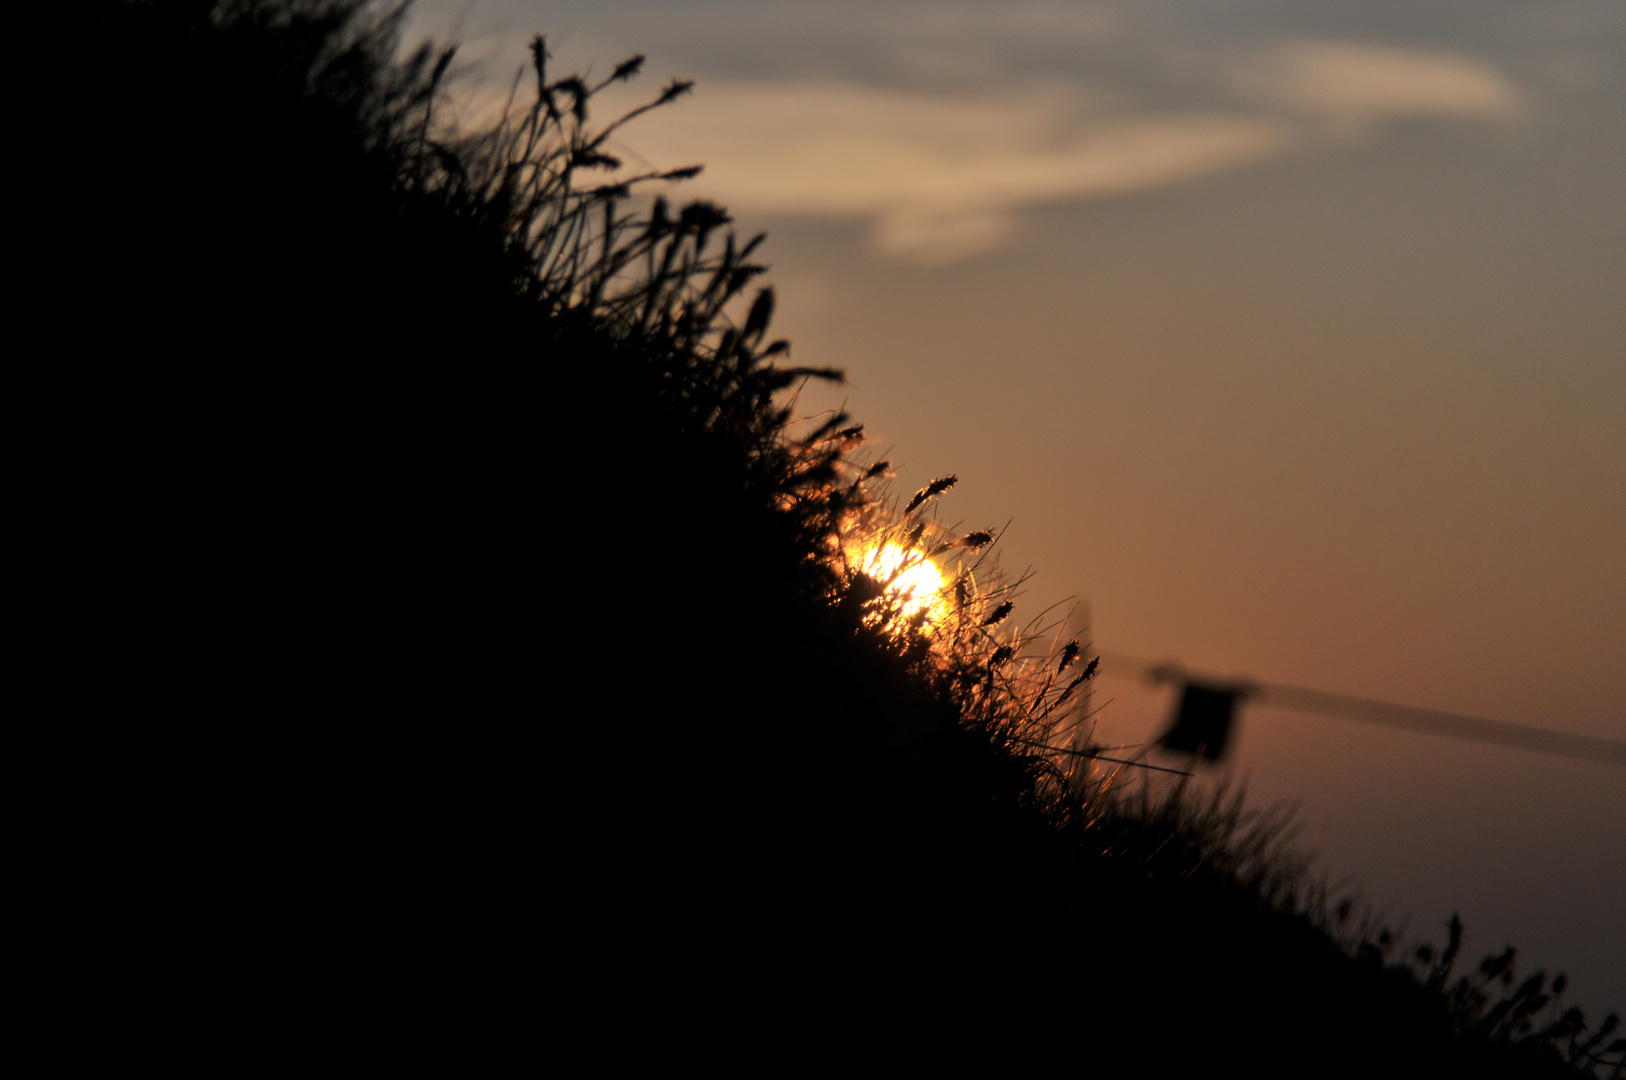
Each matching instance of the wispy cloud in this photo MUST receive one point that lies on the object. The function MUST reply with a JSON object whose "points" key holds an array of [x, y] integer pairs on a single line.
{"points": [[939, 179], [938, 128], [1360, 86], [942, 177]]}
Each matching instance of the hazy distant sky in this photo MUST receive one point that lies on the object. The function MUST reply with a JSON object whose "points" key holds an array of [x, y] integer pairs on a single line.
{"points": [[1292, 335]]}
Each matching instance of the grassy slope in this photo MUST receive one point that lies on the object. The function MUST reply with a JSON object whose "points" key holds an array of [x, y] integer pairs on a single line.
{"points": [[509, 625]]}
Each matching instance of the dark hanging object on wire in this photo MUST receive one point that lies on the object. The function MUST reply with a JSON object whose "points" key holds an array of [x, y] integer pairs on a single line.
{"points": [[1203, 719]]}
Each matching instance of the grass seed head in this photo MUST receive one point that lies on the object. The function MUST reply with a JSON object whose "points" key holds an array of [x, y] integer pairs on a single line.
{"points": [[539, 60], [1068, 655], [930, 491], [674, 90]]}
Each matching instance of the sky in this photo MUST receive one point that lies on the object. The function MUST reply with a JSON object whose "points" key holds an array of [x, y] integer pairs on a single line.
{"points": [[1291, 337]]}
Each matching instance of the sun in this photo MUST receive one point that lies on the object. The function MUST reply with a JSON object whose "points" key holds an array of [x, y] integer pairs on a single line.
{"points": [[910, 578]]}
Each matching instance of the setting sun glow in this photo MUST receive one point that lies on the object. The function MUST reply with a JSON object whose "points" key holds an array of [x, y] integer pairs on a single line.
{"points": [[910, 576]]}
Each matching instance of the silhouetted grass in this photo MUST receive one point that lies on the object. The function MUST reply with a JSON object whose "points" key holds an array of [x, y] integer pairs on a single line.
{"points": [[460, 482]]}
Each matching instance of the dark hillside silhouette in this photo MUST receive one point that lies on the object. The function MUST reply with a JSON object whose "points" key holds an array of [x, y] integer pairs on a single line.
{"points": [[488, 626]]}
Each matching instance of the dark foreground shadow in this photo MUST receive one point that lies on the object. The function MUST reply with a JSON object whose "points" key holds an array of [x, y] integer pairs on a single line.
{"points": [[488, 699]]}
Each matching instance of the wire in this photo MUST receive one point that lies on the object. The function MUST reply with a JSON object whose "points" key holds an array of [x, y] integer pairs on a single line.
{"points": [[1388, 714]]}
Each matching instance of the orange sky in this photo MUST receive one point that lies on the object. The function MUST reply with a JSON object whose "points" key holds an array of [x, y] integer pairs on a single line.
{"points": [[1292, 336]]}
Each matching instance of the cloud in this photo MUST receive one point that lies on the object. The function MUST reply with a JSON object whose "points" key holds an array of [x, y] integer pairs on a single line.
{"points": [[939, 179], [1358, 86], [940, 176]]}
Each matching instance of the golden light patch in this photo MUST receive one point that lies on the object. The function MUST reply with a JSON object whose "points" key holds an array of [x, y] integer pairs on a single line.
{"points": [[909, 577]]}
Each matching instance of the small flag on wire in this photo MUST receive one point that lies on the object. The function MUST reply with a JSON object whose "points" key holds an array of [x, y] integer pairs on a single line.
{"points": [[1203, 719], [1205, 716]]}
